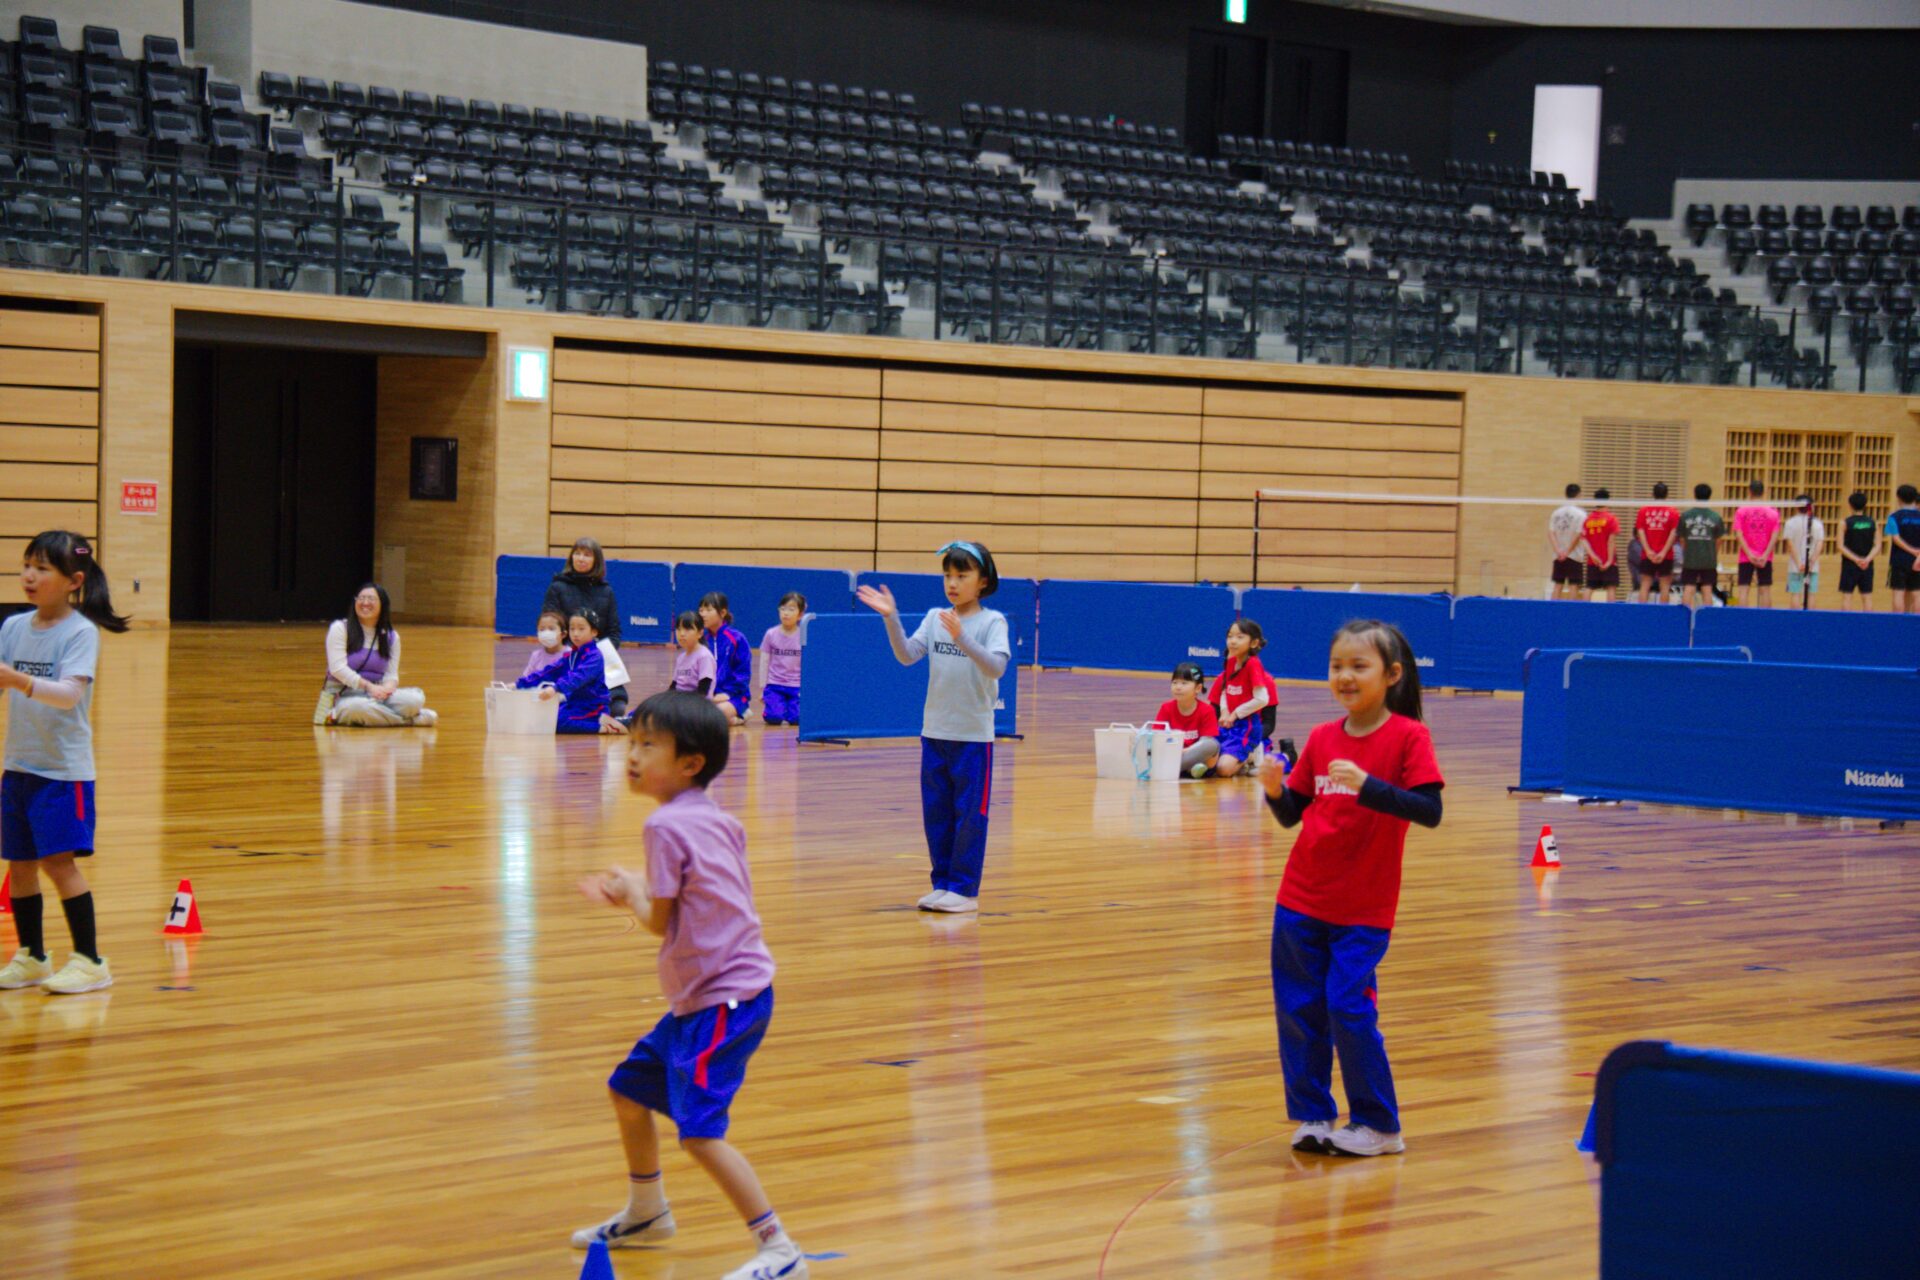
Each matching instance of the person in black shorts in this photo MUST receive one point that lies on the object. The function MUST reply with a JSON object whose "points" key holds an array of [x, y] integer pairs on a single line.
{"points": [[1701, 529], [1903, 557], [1859, 548], [1565, 539]]}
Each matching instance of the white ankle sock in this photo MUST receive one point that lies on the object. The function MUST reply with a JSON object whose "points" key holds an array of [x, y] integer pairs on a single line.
{"points": [[646, 1197], [767, 1231]]}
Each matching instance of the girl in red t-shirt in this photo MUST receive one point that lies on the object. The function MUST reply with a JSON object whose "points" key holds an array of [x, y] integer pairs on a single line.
{"points": [[1359, 781], [1192, 719], [1241, 692]]}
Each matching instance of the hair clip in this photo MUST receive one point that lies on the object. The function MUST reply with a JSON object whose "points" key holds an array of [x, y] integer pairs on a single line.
{"points": [[81, 549]]}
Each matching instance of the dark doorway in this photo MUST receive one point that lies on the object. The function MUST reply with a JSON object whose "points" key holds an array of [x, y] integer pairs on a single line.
{"points": [[1226, 88], [273, 458], [1309, 94]]}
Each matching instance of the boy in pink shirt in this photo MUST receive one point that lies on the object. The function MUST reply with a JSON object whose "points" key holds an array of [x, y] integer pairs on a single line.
{"points": [[1755, 527], [696, 896]]}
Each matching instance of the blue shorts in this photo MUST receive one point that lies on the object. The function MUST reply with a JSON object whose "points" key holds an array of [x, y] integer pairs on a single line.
{"points": [[40, 817], [1241, 737], [688, 1069], [738, 701], [780, 704]]}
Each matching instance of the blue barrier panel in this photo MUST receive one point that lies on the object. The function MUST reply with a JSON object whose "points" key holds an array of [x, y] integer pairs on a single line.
{"points": [[1491, 637], [1819, 636], [1300, 625], [1543, 712], [854, 687], [1837, 740], [642, 588], [1692, 1183], [1134, 626], [916, 593], [753, 591]]}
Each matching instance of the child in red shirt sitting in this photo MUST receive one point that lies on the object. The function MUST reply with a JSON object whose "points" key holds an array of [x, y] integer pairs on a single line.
{"points": [[1245, 695], [1193, 720], [1358, 783]]}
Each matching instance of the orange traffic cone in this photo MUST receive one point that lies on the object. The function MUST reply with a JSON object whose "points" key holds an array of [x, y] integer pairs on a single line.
{"points": [[183, 918], [6, 895], [1546, 850]]}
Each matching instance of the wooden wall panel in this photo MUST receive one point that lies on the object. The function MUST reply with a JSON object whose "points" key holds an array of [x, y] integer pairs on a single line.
{"points": [[447, 548], [711, 458], [1259, 438], [49, 433]]}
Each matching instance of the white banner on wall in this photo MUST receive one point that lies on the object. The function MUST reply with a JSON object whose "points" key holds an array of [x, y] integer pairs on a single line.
{"points": [[1566, 134]]}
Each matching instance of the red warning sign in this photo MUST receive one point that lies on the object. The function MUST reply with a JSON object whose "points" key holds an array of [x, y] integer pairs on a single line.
{"points": [[139, 497]]}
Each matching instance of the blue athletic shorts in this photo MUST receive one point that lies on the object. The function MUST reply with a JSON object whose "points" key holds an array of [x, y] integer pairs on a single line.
{"points": [[1241, 737], [780, 704], [40, 817], [738, 701], [688, 1069]]}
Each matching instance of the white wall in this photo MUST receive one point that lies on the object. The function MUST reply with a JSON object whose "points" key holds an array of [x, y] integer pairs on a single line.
{"points": [[132, 18], [339, 40]]}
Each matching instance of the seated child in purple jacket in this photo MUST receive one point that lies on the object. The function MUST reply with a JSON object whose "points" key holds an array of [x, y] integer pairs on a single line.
{"points": [[579, 675]]}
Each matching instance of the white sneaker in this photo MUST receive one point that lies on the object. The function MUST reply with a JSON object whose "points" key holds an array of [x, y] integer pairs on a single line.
{"points": [[931, 901], [427, 718], [782, 1261], [1358, 1140], [24, 971], [618, 1233], [78, 976], [953, 904], [1199, 769], [1314, 1135]]}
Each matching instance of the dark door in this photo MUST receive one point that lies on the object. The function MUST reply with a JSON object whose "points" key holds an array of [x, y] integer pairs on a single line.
{"points": [[1309, 94], [273, 477], [1226, 88]]}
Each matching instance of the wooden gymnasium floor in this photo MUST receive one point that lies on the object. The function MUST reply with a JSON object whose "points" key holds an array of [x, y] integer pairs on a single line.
{"points": [[385, 1058]]}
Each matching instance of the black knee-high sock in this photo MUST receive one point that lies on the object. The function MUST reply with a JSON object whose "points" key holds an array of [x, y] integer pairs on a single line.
{"points": [[26, 919], [79, 909]]}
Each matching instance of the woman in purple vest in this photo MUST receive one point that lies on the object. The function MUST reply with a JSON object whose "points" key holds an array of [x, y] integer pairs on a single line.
{"points": [[363, 670]]}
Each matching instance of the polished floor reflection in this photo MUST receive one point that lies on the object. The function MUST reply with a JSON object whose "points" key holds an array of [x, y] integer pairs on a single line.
{"points": [[385, 1057]]}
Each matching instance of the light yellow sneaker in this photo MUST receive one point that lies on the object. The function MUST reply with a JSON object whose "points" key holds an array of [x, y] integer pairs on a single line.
{"points": [[80, 975], [24, 971]]}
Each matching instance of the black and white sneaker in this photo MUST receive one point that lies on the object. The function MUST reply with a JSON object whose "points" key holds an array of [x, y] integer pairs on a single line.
{"points": [[1315, 1136], [618, 1232]]}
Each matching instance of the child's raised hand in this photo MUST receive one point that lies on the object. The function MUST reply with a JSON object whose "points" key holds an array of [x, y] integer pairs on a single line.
{"points": [[1345, 773], [951, 621], [879, 599], [1273, 776]]}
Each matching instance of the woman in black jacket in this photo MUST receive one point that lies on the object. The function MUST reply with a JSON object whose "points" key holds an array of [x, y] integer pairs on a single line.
{"points": [[582, 588]]}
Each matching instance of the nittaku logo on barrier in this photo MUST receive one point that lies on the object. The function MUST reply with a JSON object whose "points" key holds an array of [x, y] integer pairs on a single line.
{"points": [[642, 620], [1423, 662], [999, 704], [1195, 651], [1861, 778]]}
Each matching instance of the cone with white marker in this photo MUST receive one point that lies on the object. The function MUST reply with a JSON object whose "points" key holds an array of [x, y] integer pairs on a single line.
{"points": [[1546, 850], [183, 917]]}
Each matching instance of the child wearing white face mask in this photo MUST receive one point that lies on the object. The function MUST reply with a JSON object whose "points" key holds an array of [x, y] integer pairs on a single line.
{"points": [[553, 635]]}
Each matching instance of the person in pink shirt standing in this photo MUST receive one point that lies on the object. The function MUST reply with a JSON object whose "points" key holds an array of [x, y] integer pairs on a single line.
{"points": [[696, 896], [1755, 527]]}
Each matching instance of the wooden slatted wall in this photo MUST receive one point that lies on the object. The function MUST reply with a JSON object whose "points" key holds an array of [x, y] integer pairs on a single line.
{"points": [[49, 430], [1290, 439], [764, 461], [1063, 478], [672, 457]]}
